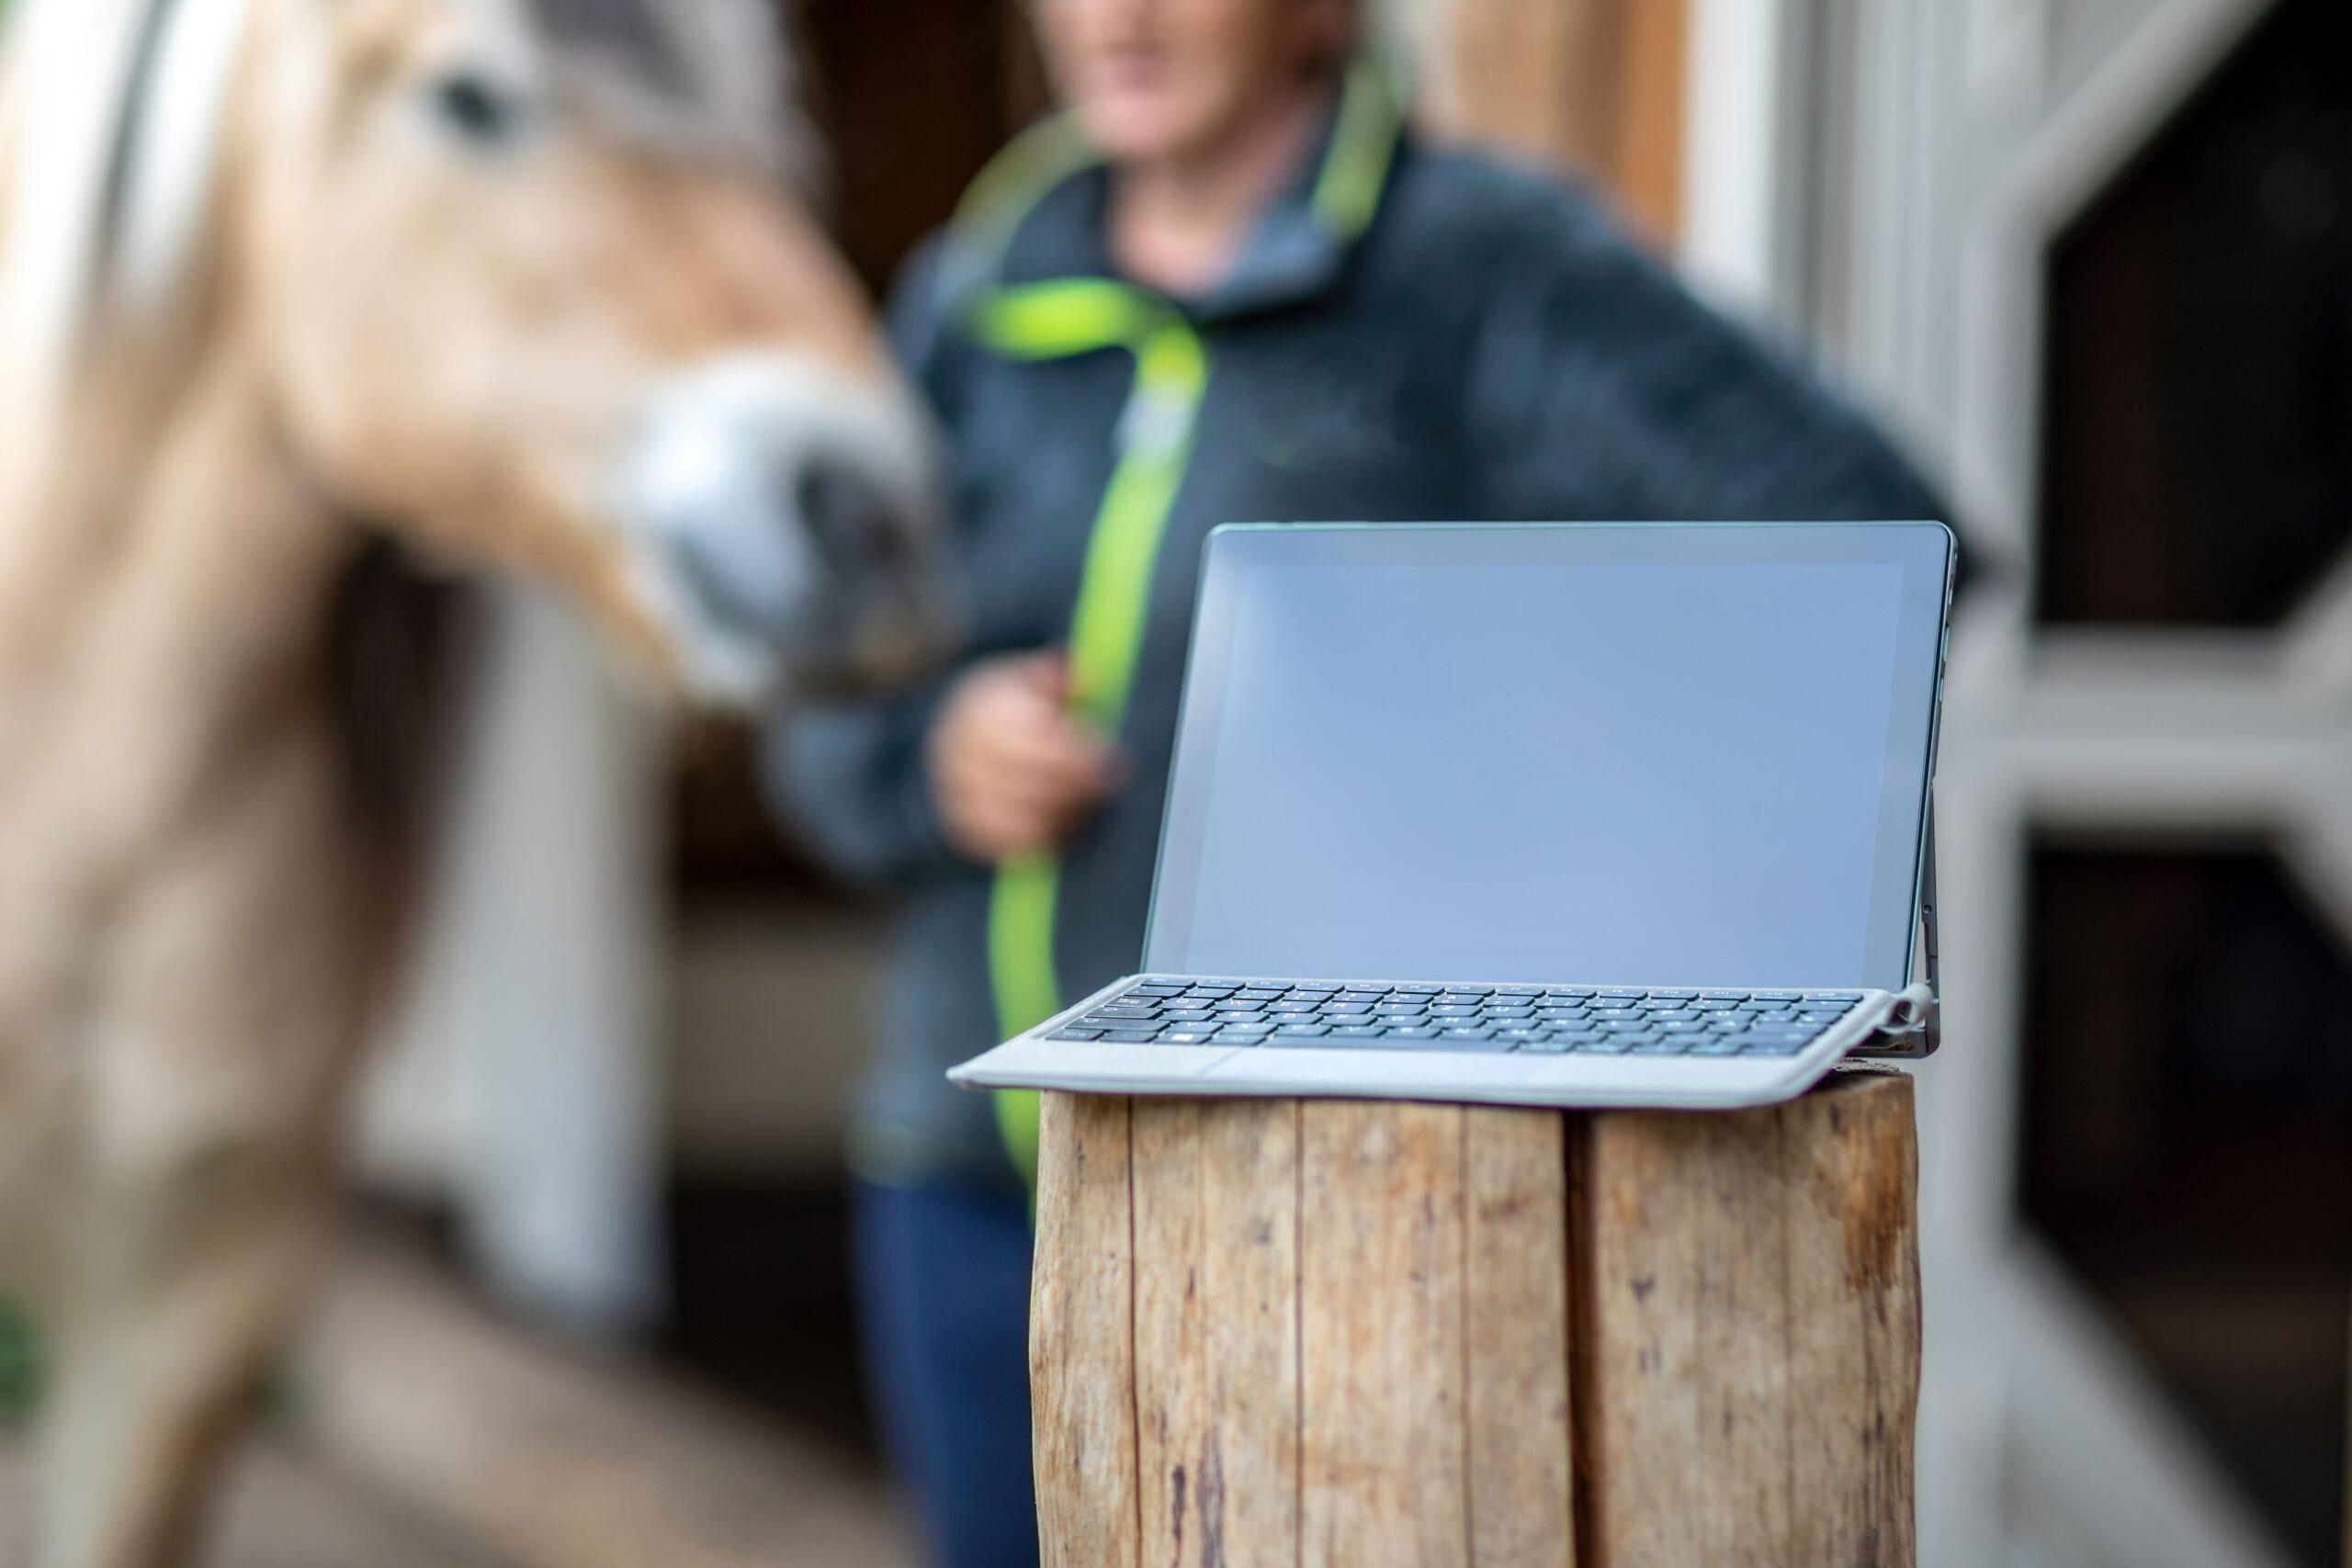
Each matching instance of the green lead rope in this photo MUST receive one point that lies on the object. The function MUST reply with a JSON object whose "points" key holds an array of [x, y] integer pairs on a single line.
{"points": [[1054, 320], [1064, 318]]}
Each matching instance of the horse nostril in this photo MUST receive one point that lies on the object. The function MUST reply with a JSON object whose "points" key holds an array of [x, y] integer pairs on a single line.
{"points": [[848, 515]]}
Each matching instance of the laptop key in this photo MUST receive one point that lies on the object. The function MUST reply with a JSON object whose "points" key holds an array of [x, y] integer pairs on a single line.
{"points": [[1300, 1031], [1131, 1036], [1671, 1045], [1413, 1032], [1187, 1037], [1074, 1033]]}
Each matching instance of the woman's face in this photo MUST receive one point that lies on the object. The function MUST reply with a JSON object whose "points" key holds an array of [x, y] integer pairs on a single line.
{"points": [[1157, 79]]}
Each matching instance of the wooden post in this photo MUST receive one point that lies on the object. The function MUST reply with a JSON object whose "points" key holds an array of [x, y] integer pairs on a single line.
{"points": [[1364, 1333]]}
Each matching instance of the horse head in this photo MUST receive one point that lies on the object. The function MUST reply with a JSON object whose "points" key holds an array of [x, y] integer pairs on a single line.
{"points": [[531, 276]]}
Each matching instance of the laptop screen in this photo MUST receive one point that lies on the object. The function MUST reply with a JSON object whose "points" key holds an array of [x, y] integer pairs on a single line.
{"points": [[1620, 754]]}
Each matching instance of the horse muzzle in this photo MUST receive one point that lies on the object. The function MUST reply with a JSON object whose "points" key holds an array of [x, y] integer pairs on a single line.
{"points": [[788, 515]]}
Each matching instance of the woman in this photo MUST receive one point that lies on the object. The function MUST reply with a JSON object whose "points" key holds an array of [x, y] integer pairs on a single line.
{"points": [[1228, 284]]}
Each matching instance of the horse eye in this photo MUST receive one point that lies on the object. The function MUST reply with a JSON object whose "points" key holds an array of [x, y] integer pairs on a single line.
{"points": [[477, 107]]}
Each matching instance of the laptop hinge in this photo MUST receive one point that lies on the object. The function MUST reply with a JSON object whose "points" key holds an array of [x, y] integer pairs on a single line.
{"points": [[1914, 1026]]}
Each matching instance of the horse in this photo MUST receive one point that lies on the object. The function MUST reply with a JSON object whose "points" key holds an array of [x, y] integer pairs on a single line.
{"points": [[307, 310]]}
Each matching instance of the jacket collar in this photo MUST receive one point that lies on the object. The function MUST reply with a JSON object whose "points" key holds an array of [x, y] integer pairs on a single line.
{"points": [[1037, 212]]}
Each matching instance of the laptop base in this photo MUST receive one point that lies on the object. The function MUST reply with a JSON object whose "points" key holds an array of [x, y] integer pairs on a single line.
{"points": [[1421, 1069]]}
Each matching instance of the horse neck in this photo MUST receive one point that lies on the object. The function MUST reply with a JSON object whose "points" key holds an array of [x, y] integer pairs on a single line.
{"points": [[171, 581]]}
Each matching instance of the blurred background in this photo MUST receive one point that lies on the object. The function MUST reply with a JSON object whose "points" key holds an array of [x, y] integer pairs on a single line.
{"points": [[2093, 260]]}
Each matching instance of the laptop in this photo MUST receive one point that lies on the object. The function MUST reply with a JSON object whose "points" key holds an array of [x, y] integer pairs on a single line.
{"points": [[1569, 815]]}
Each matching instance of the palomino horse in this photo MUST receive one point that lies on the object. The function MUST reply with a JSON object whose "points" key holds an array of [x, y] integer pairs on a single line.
{"points": [[511, 283]]}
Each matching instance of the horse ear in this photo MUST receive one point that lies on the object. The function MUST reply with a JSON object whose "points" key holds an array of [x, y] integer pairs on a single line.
{"points": [[707, 73], [651, 46]]}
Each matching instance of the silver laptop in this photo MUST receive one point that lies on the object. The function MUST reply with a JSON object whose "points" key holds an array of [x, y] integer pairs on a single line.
{"points": [[1571, 814]]}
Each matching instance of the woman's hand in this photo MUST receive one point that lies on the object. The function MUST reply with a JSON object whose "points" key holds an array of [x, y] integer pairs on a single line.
{"points": [[1011, 771]]}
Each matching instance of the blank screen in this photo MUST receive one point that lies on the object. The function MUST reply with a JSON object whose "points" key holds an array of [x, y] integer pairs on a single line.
{"points": [[1616, 771]]}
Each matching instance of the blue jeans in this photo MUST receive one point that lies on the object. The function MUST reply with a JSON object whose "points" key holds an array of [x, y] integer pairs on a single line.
{"points": [[943, 1286]]}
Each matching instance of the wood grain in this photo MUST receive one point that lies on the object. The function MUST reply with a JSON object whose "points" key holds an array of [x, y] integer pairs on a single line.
{"points": [[1382, 1333], [1750, 1332], [1515, 1289], [1081, 1336], [1217, 1330], [1365, 1333]]}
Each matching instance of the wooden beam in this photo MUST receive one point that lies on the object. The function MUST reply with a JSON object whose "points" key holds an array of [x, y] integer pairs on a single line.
{"points": [[1596, 86], [546, 1455]]}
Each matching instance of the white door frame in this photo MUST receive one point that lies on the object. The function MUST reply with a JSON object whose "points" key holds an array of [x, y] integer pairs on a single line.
{"points": [[1968, 141]]}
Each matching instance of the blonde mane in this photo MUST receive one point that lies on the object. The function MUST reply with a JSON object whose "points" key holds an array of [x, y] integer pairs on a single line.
{"points": [[171, 158], [114, 109]]}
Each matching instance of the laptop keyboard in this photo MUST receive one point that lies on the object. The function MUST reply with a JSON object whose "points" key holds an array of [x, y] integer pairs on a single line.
{"points": [[1538, 1019]]}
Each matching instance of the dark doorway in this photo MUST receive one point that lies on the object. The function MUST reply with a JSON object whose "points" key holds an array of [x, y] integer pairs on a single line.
{"points": [[2188, 1145], [2197, 370]]}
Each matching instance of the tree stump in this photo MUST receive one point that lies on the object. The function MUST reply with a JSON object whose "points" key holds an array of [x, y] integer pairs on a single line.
{"points": [[1364, 1333]]}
